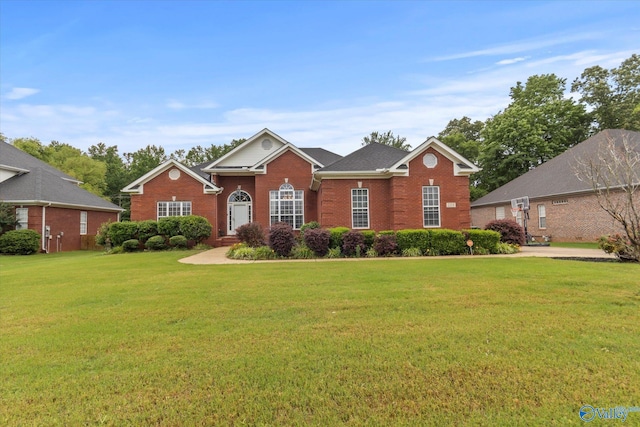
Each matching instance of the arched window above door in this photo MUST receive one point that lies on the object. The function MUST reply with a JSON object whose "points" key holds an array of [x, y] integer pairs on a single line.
{"points": [[239, 196]]}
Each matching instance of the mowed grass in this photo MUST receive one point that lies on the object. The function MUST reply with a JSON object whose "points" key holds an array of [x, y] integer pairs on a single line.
{"points": [[140, 339]]}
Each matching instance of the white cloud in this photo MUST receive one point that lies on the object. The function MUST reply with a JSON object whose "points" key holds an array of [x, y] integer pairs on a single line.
{"points": [[512, 60], [524, 45], [178, 105], [21, 92]]}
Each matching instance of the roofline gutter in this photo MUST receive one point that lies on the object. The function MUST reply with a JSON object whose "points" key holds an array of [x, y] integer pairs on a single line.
{"points": [[51, 204]]}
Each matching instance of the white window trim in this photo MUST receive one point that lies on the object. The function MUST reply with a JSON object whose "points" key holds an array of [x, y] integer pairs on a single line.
{"points": [[83, 223], [182, 206], [542, 215], [365, 191], [425, 206], [22, 218], [500, 212], [277, 202]]}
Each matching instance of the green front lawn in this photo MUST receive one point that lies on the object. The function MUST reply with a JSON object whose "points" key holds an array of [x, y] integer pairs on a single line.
{"points": [[140, 339]]}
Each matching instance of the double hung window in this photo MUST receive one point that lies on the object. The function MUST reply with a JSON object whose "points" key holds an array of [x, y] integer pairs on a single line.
{"points": [[431, 206], [360, 208]]}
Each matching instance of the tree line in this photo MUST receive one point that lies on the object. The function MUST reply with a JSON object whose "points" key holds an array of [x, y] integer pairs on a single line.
{"points": [[539, 123]]}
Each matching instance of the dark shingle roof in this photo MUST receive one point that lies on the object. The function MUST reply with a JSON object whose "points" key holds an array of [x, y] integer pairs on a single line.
{"points": [[325, 157], [43, 183], [557, 176], [368, 158]]}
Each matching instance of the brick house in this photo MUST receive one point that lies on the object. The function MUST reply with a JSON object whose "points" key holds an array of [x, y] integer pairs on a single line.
{"points": [[51, 202], [561, 205], [268, 179]]}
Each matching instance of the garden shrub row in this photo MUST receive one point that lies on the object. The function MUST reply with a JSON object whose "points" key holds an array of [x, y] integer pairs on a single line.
{"points": [[169, 232], [343, 242]]}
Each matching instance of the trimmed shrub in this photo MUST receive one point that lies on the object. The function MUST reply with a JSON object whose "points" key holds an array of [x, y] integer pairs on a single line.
{"points": [[169, 226], [483, 239], [413, 239], [147, 229], [156, 243], [411, 252], [369, 238], [510, 231], [194, 227], [447, 242], [265, 252], [120, 232], [317, 239], [387, 232], [252, 234], [353, 243], [385, 245], [302, 252], [309, 226], [179, 242], [131, 245], [282, 239], [336, 236], [20, 242]]}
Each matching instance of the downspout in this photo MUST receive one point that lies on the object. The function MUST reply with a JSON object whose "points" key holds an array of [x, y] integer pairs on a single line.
{"points": [[44, 222]]}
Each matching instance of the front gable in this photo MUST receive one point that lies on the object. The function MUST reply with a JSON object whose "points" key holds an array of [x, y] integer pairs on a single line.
{"points": [[430, 152], [249, 154], [175, 171]]}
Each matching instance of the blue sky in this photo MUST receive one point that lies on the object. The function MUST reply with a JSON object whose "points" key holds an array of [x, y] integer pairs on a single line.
{"points": [[318, 73]]}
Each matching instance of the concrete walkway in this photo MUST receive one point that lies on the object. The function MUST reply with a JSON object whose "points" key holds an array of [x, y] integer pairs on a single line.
{"points": [[217, 256]]}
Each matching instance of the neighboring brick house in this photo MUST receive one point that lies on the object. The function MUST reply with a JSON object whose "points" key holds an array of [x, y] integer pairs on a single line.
{"points": [[51, 202], [267, 179], [562, 206]]}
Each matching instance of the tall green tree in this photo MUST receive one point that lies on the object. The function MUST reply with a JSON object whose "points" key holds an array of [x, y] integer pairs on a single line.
{"points": [[538, 124], [613, 95], [464, 136], [117, 176], [387, 138], [144, 160]]}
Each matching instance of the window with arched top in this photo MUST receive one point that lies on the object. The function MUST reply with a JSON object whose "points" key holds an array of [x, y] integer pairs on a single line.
{"points": [[239, 196], [287, 205]]}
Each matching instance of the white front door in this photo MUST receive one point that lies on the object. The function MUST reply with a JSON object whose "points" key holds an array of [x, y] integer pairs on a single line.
{"points": [[239, 215]]}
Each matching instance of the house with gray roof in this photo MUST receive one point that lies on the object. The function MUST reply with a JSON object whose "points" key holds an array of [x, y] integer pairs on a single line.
{"points": [[51, 202], [267, 179], [563, 207]]}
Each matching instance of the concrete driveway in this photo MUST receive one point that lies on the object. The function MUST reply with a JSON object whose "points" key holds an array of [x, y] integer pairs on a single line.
{"points": [[217, 256]]}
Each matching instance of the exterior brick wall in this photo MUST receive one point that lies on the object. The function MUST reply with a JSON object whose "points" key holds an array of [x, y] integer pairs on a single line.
{"points": [[64, 224], [184, 189], [298, 173], [396, 203], [579, 219]]}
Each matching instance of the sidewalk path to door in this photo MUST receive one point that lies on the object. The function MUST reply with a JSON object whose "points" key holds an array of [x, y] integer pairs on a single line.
{"points": [[218, 256]]}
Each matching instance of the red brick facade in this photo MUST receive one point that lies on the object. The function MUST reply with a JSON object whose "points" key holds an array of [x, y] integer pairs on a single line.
{"points": [[64, 226], [395, 200]]}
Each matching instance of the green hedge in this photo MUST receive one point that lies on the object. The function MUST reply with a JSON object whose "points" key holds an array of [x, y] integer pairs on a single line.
{"points": [[120, 232], [336, 236], [20, 242], [484, 239], [413, 239], [446, 242]]}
